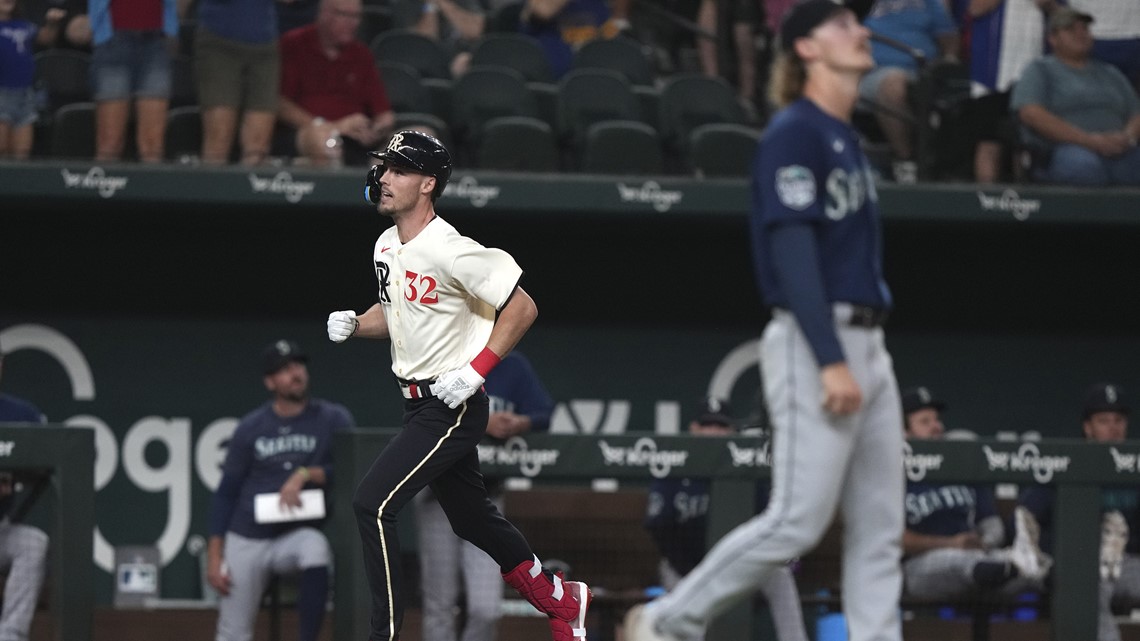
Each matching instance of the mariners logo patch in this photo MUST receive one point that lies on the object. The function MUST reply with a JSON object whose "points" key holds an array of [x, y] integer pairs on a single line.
{"points": [[795, 186]]}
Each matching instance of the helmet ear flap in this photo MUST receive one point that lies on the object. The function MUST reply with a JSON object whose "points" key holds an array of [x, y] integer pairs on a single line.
{"points": [[372, 184]]}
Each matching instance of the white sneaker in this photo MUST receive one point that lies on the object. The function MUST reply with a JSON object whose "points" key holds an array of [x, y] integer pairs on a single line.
{"points": [[1026, 554], [639, 627], [905, 172], [1113, 538]]}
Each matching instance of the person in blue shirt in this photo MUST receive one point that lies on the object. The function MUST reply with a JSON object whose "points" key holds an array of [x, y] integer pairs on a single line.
{"points": [[953, 543], [519, 403], [829, 381], [1104, 419], [920, 24], [282, 447], [677, 519], [18, 108]]}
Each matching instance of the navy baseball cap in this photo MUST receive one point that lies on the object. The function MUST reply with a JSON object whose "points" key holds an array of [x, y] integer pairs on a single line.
{"points": [[805, 16], [715, 411], [1104, 397], [279, 354], [919, 398]]}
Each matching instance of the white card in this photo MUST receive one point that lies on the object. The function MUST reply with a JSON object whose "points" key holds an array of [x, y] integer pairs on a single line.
{"points": [[267, 507]]}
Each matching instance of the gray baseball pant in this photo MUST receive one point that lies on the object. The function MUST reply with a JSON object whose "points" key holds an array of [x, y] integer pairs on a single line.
{"points": [[23, 552], [948, 573], [252, 562], [821, 463], [1126, 587], [445, 561]]}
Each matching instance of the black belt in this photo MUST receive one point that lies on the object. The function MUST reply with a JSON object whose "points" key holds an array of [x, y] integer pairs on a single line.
{"points": [[415, 389], [869, 317]]}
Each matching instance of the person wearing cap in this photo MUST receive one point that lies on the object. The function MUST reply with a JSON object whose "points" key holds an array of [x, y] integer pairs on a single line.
{"points": [[828, 378], [954, 537], [1080, 115], [281, 448], [23, 547], [332, 96], [1104, 419], [676, 517], [451, 310]]}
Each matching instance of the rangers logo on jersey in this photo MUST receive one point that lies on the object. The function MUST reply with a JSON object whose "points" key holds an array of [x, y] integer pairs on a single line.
{"points": [[382, 271], [795, 186]]}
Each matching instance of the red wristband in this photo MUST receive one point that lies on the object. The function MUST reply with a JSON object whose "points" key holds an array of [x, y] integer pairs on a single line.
{"points": [[485, 362]]}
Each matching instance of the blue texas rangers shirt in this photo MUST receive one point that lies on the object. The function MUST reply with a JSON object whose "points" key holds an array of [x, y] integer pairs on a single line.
{"points": [[264, 450], [816, 234], [946, 510]]}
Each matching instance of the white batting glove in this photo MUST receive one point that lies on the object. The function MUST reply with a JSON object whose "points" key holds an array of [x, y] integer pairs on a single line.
{"points": [[342, 325], [456, 386]]}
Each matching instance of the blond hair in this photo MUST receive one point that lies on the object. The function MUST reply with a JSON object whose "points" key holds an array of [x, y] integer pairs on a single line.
{"points": [[787, 78]]}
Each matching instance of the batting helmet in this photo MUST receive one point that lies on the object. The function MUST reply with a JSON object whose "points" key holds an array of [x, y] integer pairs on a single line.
{"points": [[411, 150]]}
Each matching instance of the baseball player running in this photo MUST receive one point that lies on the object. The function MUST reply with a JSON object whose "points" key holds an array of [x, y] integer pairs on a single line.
{"points": [[828, 378], [451, 309]]}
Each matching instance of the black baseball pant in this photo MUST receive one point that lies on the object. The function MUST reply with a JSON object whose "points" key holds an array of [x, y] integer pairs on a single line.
{"points": [[436, 447]]}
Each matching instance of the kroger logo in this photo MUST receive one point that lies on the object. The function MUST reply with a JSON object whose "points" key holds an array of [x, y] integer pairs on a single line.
{"points": [[95, 179], [469, 189], [1124, 461], [917, 465], [515, 451], [644, 453], [282, 183], [1010, 201], [1027, 458], [750, 456], [650, 192]]}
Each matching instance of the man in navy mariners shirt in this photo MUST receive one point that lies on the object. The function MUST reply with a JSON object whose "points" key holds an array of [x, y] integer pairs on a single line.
{"points": [[282, 447]]}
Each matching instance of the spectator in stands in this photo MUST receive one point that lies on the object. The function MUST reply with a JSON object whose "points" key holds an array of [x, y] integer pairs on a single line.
{"points": [[953, 537], [561, 26], [238, 71], [132, 44], [331, 91], [677, 519], [448, 564], [926, 26], [456, 24], [281, 448], [739, 20], [1001, 38], [23, 548], [1116, 33], [1104, 419], [18, 109], [1082, 112]]}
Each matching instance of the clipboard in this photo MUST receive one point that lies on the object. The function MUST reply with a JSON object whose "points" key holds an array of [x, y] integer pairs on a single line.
{"points": [[267, 507]]}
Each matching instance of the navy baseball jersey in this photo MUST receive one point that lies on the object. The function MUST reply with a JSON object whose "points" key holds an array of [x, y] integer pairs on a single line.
{"points": [[513, 386], [810, 170], [946, 510], [676, 517], [264, 451]]}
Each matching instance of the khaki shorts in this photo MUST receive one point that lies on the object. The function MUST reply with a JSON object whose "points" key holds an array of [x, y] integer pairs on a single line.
{"points": [[236, 74]]}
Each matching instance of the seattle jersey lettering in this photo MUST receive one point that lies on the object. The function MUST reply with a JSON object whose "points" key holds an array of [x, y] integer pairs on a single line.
{"points": [[846, 193], [270, 446], [921, 505]]}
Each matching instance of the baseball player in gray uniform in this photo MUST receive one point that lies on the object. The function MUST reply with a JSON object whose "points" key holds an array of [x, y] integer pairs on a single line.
{"points": [[828, 379], [451, 309]]}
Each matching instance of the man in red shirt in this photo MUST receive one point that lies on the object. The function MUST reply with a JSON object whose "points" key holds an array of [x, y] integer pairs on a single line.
{"points": [[331, 88]]}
